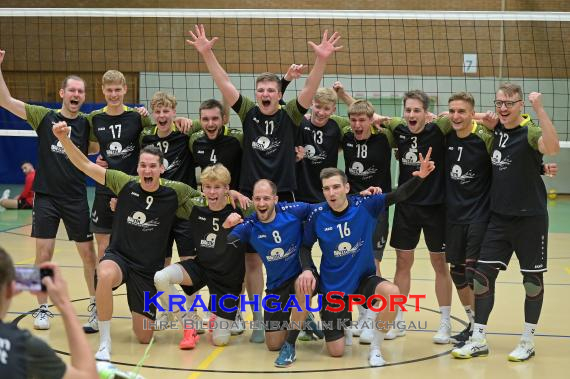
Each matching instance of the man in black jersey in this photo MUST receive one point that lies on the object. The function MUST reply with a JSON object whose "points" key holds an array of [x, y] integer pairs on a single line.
{"points": [[215, 265], [146, 209], [23, 355], [59, 186], [519, 218], [269, 130]]}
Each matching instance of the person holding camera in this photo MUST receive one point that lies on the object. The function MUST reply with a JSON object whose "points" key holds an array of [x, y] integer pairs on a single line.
{"points": [[23, 355]]}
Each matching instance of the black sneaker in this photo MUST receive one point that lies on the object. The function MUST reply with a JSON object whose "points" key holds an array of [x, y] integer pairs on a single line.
{"points": [[462, 336]]}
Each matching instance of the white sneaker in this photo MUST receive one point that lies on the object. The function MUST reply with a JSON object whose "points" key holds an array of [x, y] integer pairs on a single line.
{"points": [[42, 316], [238, 327], [471, 349], [375, 358], [367, 335], [92, 325], [347, 337], [523, 351], [5, 194], [394, 333], [443, 333], [104, 353]]}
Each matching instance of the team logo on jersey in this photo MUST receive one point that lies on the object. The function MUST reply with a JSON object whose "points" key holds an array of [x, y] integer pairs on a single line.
{"points": [[139, 219], [116, 150], [311, 154], [458, 175], [410, 159], [266, 145], [209, 241], [357, 169], [58, 148], [498, 160], [278, 254], [345, 248]]}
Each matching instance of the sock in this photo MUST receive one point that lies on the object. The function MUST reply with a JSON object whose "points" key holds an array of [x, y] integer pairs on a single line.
{"points": [[5, 194], [528, 333], [399, 317], [361, 312], [91, 299], [292, 336], [257, 315], [445, 313], [104, 333], [371, 318], [377, 340], [470, 315], [479, 331]]}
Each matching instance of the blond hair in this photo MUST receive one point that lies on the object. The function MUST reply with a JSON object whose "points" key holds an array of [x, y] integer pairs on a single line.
{"points": [[114, 77], [162, 99], [511, 89], [361, 107], [325, 96], [216, 173], [463, 96]]}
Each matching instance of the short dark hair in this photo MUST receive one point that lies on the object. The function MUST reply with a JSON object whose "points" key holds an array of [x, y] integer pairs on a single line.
{"points": [[329, 172], [211, 104], [153, 150], [268, 77], [71, 77], [6, 269], [417, 95], [511, 89], [271, 184]]}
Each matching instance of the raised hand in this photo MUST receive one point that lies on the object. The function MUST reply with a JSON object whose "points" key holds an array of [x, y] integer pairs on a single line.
{"points": [[61, 130], [327, 46], [232, 220], [294, 72], [199, 40], [338, 87], [535, 99], [426, 165]]}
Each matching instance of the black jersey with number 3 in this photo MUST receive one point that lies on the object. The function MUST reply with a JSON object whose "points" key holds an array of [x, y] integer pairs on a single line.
{"points": [[468, 176], [410, 145], [269, 144], [321, 144], [517, 189], [367, 162], [178, 160]]}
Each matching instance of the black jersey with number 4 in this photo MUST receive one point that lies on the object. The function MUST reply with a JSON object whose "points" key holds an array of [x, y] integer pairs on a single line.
{"points": [[321, 145], [410, 145], [468, 176], [226, 149], [367, 162], [517, 189], [119, 139], [178, 160], [55, 174], [143, 220], [269, 144], [210, 241]]}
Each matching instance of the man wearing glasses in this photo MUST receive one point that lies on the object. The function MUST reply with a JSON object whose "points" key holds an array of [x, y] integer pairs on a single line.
{"points": [[519, 219]]}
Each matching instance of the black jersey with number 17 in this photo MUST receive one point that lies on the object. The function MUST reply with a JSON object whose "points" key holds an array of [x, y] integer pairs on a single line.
{"points": [[269, 144]]}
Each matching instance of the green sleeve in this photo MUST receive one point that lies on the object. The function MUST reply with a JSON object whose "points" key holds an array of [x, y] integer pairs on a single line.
{"points": [[42, 361], [89, 118], [146, 121], [35, 114], [342, 123], [147, 131], [294, 112], [192, 139], [533, 135], [196, 127], [444, 124], [248, 211], [237, 134], [186, 197], [116, 180], [346, 129], [486, 135], [394, 123], [246, 105], [389, 136]]}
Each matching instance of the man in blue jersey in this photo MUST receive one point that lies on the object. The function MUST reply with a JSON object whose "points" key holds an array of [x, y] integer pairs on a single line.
{"points": [[344, 228]]}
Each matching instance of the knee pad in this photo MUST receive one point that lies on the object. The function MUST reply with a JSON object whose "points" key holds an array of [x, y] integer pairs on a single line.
{"points": [[161, 280], [458, 276], [484, 277], [470, 273], [221, 332], [533, 285], [167, 276]]}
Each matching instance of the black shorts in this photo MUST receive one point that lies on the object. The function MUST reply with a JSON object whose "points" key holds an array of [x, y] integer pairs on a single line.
{"points": [[380, 236], [276, 321], [23, 204], [217, 284], [181, 232], [137, 282], [409, 220], [101, 214], [526, 236], [334, 323], [49, 210], [463, 242]]}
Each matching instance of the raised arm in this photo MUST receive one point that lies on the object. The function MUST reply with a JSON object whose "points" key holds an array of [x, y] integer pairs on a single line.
{"points": [[204, 47], [322, 51], [62, 131], [7, 102], [548, 143], [343, 96]]}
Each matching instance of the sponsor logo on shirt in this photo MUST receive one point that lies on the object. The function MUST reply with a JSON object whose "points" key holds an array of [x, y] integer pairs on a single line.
{"points": [[458, 175], [116, 150], [410, 158], [138, 219], [357, 169], [311, 154], [500, 162], [58, 148], [345, 248], [278, 254], [209, 241], [266, 145], [135, 194]]}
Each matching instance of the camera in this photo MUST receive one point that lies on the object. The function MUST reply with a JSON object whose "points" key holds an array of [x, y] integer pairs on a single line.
{"points": [[29, 278]]}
